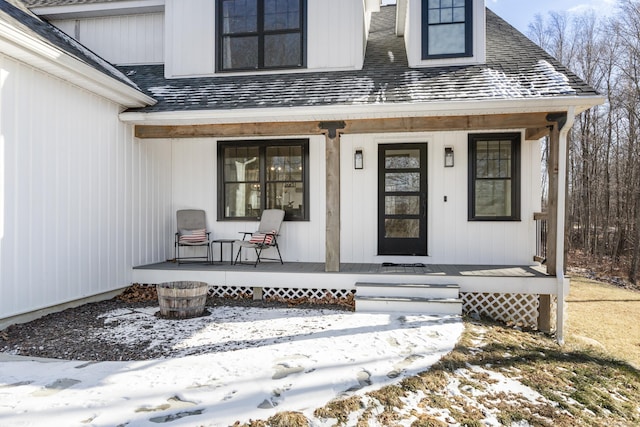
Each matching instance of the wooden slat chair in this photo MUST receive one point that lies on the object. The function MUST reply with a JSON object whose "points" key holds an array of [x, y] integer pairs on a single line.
{"points": [[266, 237], [192, 232]]}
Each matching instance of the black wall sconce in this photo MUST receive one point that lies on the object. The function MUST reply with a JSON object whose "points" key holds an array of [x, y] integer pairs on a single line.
{"points": [[448, 157], [358, 160]]}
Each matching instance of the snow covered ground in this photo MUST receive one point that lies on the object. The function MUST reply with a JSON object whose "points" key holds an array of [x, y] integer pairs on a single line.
{"points": [[254, 362]]}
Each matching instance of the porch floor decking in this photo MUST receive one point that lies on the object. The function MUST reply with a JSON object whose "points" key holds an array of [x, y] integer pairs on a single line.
{"points": [[358, 268], [511, 279]]}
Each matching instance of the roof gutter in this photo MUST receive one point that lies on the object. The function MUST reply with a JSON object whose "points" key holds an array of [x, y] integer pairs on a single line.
{"points": [[355, 111], [44, 56]]}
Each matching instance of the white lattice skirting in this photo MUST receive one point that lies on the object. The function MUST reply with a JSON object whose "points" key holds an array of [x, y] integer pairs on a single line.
{"points": [[281, 293], [513, 309]]}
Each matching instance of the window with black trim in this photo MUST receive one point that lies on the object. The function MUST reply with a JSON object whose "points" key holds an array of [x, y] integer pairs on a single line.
{"points": [[260, 34], [447, 28], [494, 177], [258, 175]]}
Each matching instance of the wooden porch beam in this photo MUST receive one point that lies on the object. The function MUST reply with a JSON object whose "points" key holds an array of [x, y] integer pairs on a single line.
{"points": [[533, 134], [406, 124]]}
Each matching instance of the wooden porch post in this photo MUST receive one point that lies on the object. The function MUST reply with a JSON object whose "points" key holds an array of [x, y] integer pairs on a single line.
{"points": [[558, 155], [332, 152], [544, 311]]}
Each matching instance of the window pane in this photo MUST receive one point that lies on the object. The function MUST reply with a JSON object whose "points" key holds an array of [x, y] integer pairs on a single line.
{"points": [[458, 3], [434, 4], [239, 16], [402, 159], [284, 163], [242, 200], [446, 3], [402, 228], [240, 52], [434, 16], [286, 195], [493, 198], [446, 15], [241, 164], [402, 205], [446, 39], [403, 182], [458, 14], [282, 50], [281, 14]]}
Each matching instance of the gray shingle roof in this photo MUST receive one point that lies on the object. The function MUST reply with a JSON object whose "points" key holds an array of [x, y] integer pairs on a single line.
{"points": [[20, 18], [516, 68], [44, 3]]}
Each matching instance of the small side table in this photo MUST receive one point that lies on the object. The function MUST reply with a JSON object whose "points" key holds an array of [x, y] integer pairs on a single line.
{"points": [[223, 241]]}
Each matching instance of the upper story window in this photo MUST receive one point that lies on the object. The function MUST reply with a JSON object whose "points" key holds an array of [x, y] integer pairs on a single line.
{"points": [[447, 28], [260, 34]]}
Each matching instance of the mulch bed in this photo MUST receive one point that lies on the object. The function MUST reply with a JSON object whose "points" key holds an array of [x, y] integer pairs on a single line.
{"points": [[69, 334]]}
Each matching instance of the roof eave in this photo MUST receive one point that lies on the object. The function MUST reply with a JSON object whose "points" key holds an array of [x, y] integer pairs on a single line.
{"points": [[354, 112], [91, 10], [39, 54]]}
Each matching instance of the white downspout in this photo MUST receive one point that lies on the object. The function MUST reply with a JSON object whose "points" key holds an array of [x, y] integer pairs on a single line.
{"points": [[562, 287]]}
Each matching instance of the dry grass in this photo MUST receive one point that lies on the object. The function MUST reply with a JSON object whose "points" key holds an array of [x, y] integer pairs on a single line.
{"points": [[582, 383], [606, 317]]}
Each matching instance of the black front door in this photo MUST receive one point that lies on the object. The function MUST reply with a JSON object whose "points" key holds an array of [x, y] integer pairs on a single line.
{"points": [[402, 199]]}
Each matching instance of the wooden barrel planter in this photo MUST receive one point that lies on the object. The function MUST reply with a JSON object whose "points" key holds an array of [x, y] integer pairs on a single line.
{"points": [[182, 300]]}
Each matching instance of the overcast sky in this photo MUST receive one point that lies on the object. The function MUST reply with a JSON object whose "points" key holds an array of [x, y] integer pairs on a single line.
{"points": [[520, 13]]}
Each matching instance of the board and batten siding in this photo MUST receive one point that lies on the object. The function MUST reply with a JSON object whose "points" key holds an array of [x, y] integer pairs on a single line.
{"points": [[195, 186], [452, 239], [122, 40], [81, 201], [336, 36]]}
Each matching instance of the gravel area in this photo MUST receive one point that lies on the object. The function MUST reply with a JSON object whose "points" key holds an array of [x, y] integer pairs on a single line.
{"points": [[71, 334]]}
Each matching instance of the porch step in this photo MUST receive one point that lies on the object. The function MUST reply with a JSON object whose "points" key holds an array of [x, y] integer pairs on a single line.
{"points": [[408, 297]]}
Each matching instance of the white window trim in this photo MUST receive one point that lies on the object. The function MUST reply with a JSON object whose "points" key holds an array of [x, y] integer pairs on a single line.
{"points": [[413, 37]]}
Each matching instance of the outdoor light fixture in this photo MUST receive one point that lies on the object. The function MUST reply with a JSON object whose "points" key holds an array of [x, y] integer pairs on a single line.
{"points": [[448, 157], [358, 160]]}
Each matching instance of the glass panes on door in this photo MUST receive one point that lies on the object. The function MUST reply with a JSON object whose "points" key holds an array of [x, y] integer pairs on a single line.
{"points": [[402, 226]]}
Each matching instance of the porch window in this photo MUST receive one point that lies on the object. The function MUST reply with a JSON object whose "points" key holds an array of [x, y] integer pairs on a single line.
{"points": [[494, 177], [260, 34], [447, 28], [258, 175]]}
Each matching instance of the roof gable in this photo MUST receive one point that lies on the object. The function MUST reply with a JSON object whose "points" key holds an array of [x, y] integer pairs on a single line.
{"points": [[28, 23]]}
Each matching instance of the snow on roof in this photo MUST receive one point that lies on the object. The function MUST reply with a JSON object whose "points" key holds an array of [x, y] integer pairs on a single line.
{"points": [[515, 69], [21, 18]]}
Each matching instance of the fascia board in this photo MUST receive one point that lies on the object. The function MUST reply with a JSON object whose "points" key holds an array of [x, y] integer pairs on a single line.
{"points": [[401, 17], [354, 112], [54, 61], [100, 9]]}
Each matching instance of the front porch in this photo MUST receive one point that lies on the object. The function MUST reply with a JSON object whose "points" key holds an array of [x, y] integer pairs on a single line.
{"points": [[508, 293]]}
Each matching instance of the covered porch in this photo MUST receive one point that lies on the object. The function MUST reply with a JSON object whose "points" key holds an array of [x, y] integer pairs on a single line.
{"points": [[510, 293]]}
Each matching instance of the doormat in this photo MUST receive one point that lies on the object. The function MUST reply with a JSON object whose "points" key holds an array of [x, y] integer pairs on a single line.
{"points": [[413, 267], [393, 264]]}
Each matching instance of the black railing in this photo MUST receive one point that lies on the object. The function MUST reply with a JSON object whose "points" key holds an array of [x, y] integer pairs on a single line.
{"points": [[541, 237]]}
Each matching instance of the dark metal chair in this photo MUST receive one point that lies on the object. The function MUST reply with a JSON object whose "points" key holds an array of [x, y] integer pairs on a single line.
{"points": [[266, 237], [192, 233]]}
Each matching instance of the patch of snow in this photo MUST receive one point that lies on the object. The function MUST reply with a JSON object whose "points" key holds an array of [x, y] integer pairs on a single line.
{"points": [[257, 362]]}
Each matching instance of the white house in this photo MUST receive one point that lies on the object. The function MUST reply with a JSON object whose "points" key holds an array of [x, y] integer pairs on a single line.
{"points": [[402, 136]]}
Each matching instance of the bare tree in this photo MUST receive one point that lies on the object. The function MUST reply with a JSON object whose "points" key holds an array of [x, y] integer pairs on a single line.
{"points": [[604, 175]]}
